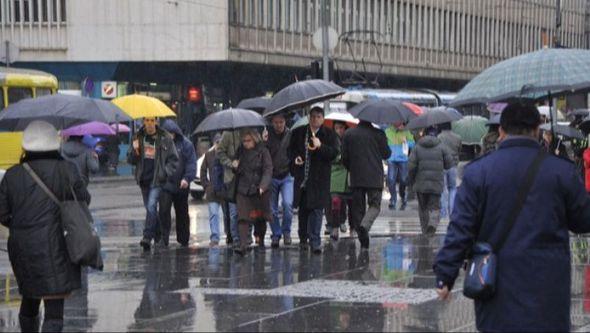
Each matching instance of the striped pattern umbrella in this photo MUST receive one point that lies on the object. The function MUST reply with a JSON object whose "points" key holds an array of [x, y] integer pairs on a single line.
{"points": [[531, 75]]}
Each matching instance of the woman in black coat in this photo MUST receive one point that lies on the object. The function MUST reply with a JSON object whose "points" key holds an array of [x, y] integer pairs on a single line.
{"points": [[254, 176], [36, 245]]}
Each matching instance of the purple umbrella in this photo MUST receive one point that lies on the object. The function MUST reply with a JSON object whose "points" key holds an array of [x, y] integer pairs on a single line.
{"points": [[122, 128], [92, 128], [497, 107]]}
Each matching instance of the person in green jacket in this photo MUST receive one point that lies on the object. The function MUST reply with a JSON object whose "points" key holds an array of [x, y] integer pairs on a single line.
{"points": [[341, 194]]}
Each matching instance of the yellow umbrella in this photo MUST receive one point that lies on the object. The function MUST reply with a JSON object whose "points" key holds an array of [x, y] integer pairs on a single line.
{"points": [[141, 106]]}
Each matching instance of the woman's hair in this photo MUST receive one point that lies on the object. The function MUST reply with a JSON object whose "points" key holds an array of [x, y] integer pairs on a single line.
{"points": [[251, 132]]}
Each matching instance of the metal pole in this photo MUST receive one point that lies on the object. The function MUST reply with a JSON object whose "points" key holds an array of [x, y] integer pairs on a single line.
{"points": [[7, 45], [325, 43], [557, 38]]}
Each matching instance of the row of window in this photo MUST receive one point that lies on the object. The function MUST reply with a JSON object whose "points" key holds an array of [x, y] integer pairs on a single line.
{"points": [[15, 94], [37, 11]]}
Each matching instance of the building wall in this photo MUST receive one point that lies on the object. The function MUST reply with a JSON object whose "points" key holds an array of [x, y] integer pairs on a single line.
{"points": [[116, 30]]}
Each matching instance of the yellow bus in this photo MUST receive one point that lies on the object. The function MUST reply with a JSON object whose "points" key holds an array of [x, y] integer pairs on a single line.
{"points": [[17, 84]]}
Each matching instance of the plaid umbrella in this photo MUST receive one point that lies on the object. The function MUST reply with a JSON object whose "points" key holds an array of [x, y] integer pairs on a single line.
{"points": [[531, 75]]}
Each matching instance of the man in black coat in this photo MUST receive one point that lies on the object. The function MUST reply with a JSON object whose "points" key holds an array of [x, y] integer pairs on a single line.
{"points": [[363, 150], [311, 152]]}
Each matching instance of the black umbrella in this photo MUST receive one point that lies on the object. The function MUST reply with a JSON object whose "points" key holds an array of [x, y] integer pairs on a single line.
{"points": [[434, 117], [382, 111], [579, 113], [62, 111], [230, 119], [563, 130], [258, 104], [301, 94]]}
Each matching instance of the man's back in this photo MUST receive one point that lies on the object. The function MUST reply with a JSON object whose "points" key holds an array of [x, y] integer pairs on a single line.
{"points": [[533, 281], [363, 151]]}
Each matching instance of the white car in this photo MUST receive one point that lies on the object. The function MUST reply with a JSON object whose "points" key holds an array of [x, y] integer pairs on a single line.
{"points": [[197, 190]]}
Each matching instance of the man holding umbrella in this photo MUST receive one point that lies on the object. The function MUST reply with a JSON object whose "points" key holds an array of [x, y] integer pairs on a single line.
{"points": [[155, 159], [311, 152]]}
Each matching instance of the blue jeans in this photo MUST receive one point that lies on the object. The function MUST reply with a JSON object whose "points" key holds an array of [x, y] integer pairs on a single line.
{"points": [[447, 199], [233, 223], [395, 169], [214, 208], [151, 195], [284, 187], [310, 225]]}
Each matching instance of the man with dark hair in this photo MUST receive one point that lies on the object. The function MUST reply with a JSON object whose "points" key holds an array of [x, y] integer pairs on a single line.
{"points": [[311, 152], [533, 278]]}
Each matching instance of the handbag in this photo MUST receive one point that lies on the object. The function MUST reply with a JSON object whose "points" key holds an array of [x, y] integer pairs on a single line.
{"points": [[482, 267], [82, 242]]}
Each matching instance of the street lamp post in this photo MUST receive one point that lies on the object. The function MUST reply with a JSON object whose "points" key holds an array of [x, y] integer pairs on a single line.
{"points": [[325, 46]]}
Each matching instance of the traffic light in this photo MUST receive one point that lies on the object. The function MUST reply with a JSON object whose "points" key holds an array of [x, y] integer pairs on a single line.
{"points": [[317, 71]]}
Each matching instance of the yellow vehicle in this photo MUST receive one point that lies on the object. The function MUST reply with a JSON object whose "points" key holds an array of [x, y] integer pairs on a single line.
{"points": [[17, 84]]}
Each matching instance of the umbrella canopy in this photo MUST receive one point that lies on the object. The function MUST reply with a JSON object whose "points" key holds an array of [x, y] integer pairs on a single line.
{"points": [[414, 108], [329, 120], [122, 128], [435, 116], [530, 75], [141, 106], [258, 104], [62, 111], [579, 113], [382, 111], [494, 120], [230, 119], [91, 128], [471, 129], [301, 94], [496, 107], [564, 130]]}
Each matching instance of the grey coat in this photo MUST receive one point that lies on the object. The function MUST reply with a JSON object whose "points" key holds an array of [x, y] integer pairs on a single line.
{"points": [[453, 142], [82, 157], [427, 162]]}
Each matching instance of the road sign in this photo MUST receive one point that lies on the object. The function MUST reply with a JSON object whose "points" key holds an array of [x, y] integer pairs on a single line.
{"points": [[9, 52], [108, 89], [332, 38]]}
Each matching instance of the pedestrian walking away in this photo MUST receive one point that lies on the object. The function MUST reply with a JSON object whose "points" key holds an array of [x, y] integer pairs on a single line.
{"points": [[364, 150], [341, 205], [428, 161], [400, 142], [453, 143], [282, 181], [154, 156], [213, 191], [36, 244], [83, 157], [536, 242], [176, 190], [311, 152], [254, 176]]}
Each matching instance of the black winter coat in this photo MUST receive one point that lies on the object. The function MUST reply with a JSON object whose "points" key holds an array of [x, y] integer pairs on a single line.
{"points": [[318, 185], [363, 150], [36, 245], [166, 161]]}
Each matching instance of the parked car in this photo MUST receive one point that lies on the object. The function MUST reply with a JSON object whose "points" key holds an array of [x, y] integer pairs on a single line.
{"points": [[197, 189]]}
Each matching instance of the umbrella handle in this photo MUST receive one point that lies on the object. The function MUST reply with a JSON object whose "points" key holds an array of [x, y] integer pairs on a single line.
{"points": [[309, 146]]}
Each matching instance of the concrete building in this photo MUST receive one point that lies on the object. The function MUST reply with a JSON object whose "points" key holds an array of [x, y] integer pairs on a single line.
{"points": [[240, 48]]}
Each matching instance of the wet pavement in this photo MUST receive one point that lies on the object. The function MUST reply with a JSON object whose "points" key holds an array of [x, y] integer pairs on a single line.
{"points": [[388, 288]]}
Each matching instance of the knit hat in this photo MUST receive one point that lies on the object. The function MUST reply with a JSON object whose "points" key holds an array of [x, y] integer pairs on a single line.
{"points": [[40, 136]]}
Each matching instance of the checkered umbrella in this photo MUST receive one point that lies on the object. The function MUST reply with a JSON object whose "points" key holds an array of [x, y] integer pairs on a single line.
{"points": [[531, 75]]}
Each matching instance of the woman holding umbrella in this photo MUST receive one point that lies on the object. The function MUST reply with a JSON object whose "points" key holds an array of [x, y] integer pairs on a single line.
{"points": [[254, 175]]}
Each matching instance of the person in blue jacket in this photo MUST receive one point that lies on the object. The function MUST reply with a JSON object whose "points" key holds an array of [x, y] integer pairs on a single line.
{"points": [[176, 189], [533, 278]]}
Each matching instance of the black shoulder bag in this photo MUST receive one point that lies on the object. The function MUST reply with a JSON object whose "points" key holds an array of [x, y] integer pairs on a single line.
{"points": [[480, 277], [82, 242]]}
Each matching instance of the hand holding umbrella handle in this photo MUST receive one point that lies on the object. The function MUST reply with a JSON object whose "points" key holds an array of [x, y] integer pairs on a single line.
{"points": [[310, 145]]}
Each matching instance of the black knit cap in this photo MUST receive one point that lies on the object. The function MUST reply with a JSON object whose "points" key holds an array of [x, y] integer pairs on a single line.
{"points": [[518, 117]]}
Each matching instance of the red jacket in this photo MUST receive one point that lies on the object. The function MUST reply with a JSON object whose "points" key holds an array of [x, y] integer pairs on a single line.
{"points": [[587, 168]]}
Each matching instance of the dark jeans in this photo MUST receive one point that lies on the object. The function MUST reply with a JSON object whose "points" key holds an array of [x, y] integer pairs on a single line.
{"points": [[429, 210], [310, 223], [180, 201], [361, 216], [150, 195], [54, 312], [226, 218]]}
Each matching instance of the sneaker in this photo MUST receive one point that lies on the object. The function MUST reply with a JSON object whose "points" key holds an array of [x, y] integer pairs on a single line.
{"points": [[184, 245], [303, 246], [430, 231], [392, 206], [146, 244], [404, 205], [317, 250], [363, 237], [287, 240], [274, 243], [228, 239], [343, 228], [328, 231]]}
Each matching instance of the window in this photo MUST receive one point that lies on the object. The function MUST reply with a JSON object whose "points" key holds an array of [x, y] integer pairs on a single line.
{"points": [[16, 94], [42, 92], [34, 11]]}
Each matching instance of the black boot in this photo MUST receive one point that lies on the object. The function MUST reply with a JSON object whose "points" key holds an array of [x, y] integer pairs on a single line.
{"points": [[53, 325], [28, 324]]}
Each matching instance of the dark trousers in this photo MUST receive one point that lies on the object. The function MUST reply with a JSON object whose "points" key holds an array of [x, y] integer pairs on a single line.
{"points": [[310, 223], [226, 219], [53, 318], [361, 216], [180, 202], [429, 211]]}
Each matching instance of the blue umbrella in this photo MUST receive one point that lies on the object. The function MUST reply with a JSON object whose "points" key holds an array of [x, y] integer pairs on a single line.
{"points": [[532, 75]]}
